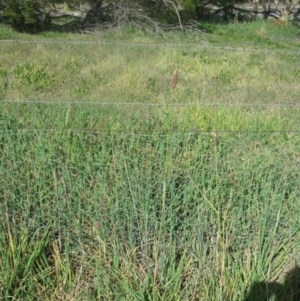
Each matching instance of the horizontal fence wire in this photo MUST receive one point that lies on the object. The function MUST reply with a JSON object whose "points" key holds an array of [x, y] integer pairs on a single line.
{"points": [[153, 133], [81, 117], [149, 104], [296, 52]]}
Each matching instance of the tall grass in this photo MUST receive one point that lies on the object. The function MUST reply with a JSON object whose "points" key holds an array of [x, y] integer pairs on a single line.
{"points": [[131, 202]]}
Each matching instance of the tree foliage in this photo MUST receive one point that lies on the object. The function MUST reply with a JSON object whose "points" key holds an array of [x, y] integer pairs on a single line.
{"points": [[20, 12], [158, 14]]}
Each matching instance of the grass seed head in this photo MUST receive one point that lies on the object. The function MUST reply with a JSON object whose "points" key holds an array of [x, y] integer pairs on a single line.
{"points": [[174, 79]]}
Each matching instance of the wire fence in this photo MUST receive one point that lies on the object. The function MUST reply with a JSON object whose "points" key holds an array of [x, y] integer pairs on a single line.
{"points": [[205, 46], [199, 84], [149, 104], [109, 191], [132, 118], [136, 172], [145, 134]]}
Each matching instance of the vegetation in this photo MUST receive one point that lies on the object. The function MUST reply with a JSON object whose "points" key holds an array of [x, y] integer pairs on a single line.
{"points": [[114, 186], [159, 15]]}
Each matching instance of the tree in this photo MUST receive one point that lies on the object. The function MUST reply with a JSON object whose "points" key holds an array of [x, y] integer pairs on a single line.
{"points": [[141, 13], [159, 15], [284, 9], [278, 9], [18, 13]]}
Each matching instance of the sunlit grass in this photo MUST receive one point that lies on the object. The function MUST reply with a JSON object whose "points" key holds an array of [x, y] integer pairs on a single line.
{"points": [[191, 196]]}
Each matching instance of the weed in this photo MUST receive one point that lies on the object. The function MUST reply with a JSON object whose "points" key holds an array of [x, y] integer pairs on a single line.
{"points": [[33, 75]]}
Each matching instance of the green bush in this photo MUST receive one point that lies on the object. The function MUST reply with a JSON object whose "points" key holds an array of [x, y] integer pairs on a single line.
{"points": [[20, 13]]}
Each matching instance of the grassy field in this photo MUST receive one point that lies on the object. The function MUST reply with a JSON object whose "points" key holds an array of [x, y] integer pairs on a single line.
{"points": [[116, 187]]}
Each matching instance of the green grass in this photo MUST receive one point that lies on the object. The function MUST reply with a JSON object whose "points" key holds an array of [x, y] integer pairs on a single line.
{"points": [[125, 201]]}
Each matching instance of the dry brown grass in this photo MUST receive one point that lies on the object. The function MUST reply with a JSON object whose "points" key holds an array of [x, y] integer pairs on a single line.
{"points": [[174, 79], [279, 22]]}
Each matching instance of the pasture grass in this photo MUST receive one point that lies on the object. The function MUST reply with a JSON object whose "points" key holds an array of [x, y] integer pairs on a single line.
{"points": [[157, 193]]}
